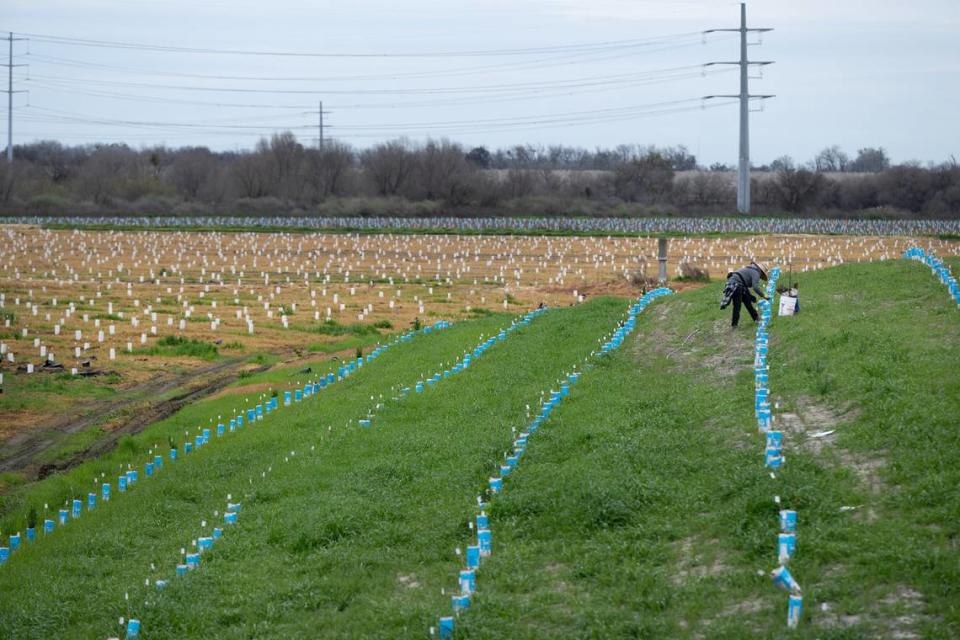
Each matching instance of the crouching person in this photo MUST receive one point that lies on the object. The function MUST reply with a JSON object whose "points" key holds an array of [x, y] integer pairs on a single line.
{"points": [[738, 290]]}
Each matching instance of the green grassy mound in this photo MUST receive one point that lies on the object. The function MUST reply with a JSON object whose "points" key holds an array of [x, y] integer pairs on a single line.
{"points": [[366, 522], [644, 509]]}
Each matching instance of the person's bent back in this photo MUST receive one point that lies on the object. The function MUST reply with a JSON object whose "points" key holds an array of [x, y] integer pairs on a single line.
{"points": [[738, 290]]}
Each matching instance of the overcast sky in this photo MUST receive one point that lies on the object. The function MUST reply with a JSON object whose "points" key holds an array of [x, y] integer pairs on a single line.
{"points": [[493, 72]]}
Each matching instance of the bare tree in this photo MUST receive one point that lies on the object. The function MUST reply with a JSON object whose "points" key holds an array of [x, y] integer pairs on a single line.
{"points": [[783, 163], [159, 160], [104, 169], [284, 157], [870, 160], [649, 178], [831, 159], [192, 170], [798, 189], [906, 187], [58, 162], [251, 174], [519, 183], [704, 188], [327, 169], [442, 171], [522, 156], [9, 177], [389, 166], [679, 158]]}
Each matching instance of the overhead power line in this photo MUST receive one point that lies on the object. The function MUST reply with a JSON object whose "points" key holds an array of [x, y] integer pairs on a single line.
{"points": [[564, 59], [53, 115], [587, 81], [612, 114], [550, 123], [513, 96], [518, 51], [213, 122]]}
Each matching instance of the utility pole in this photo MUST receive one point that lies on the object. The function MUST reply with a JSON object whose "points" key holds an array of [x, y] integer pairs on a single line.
{"points": [[662, 260], [10, 92], [320, 127], [743, 169], [321, 138]]}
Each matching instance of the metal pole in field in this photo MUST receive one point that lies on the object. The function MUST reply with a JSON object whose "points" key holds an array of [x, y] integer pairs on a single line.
{"points": [[743, 165], [743, 168], [662, 259], [10, 92], [10, 99]]}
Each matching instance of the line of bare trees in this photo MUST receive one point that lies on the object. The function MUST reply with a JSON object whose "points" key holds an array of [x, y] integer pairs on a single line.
{"points": [[398, 177]]}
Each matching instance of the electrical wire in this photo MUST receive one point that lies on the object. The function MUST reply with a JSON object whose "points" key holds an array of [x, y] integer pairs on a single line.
{"points": [[161, 99], [543, 126], [54, 115], [613, 114], [335, 107], [590, 81], [499, 98], [565, 60], [581, 47]]}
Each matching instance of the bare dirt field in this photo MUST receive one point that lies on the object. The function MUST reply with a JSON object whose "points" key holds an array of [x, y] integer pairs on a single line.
{"points": [[140, 322]]}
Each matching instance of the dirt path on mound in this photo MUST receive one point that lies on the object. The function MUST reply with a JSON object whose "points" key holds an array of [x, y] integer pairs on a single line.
{"points": [[139, 407], [810, 426]]}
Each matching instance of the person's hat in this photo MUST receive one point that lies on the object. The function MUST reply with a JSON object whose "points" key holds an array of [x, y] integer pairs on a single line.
{"points": [[763, 270]]}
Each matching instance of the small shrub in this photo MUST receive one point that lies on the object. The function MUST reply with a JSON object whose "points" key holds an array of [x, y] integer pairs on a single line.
{"points": [[693, 273], [480, 311], [49, 203], [128, 445], [334, 328], [10, 479], [640, 279], [180, 346]]}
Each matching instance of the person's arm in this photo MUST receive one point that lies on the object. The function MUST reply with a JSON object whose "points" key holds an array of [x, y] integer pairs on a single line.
{"points": [[760, 291]]}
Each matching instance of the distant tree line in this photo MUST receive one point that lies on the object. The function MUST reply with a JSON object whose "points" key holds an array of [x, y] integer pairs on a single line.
{"points": [[280, 176]]}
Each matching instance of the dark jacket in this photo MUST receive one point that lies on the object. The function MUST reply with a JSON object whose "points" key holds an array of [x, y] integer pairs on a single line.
{"points": [[750, 276]]}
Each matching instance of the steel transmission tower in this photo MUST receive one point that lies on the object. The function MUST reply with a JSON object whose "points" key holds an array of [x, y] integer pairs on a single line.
{"points": [[10, 92], [743, 170], [321, 138]]}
